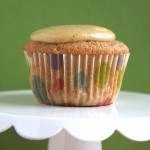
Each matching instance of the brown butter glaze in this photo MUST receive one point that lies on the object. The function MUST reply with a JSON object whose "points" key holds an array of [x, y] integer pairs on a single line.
{"points": [[72, 33]]}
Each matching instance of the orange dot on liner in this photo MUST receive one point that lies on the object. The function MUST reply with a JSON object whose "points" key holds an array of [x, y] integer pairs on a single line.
{"points": [[105, 102], [30, 54]]}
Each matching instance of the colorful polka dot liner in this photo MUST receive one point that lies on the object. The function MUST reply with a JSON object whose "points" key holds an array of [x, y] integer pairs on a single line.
{"points": [[76, 80]]}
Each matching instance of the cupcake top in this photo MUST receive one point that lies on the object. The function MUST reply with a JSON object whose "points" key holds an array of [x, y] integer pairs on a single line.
{"points": [[72, 33], [75, 39]]}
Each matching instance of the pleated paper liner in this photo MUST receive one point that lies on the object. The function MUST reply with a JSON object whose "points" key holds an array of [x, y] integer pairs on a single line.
{"points": [[76, 80]]}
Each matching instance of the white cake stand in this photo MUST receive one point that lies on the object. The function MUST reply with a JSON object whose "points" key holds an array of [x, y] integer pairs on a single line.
{"points": [[75, 128]]}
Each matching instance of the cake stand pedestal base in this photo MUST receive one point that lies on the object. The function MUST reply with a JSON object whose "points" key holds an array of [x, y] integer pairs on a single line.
{"points": [[64, 141]]}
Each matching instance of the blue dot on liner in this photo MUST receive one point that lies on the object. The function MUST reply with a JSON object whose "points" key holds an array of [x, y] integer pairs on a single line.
{"points": [[56, 61], [119, 62], [80, 80], [39, 88]]}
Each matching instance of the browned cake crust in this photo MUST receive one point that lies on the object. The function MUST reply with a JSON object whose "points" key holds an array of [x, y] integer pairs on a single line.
{"points": [[81, 47]]}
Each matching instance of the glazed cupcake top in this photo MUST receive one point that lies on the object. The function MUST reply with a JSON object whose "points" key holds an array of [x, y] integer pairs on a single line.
{"points": [[72, 33], [75, 39]]}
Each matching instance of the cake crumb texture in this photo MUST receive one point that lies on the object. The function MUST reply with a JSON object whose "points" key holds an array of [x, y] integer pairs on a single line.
{"points": [[81, 47]]}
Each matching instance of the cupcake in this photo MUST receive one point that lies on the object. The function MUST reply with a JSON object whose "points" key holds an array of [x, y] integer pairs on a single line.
{"points": [[75, 65]]}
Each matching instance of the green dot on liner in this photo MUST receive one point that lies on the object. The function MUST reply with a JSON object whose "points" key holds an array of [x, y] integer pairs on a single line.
{"points": [[39, 88], [101, 74], [80, 80]]}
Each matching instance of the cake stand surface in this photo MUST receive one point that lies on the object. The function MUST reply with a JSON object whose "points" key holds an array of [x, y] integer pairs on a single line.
{"points": [[75, 128]]}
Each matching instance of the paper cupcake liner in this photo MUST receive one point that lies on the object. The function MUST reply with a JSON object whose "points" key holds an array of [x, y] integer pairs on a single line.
{"points": [[76, 80]]}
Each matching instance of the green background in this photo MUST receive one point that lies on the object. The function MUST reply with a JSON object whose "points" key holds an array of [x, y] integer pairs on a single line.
{"points": [[129, 19]]}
